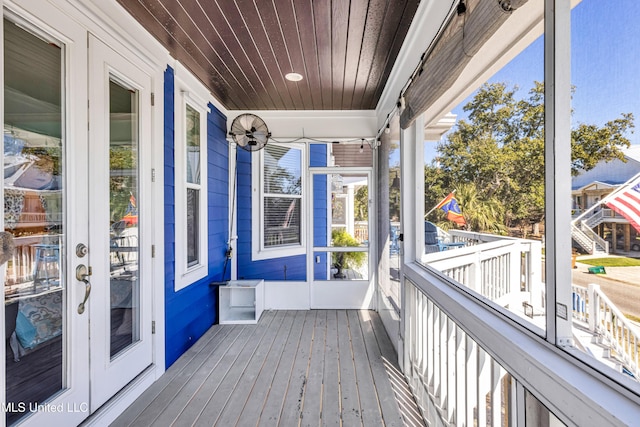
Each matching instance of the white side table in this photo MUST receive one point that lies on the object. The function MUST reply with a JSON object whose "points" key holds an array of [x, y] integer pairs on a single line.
{"points": [[241, 301]]}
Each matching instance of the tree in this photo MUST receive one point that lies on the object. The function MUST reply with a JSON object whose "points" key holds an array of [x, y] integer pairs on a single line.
{"points": [[361, 203], [500, 150]]}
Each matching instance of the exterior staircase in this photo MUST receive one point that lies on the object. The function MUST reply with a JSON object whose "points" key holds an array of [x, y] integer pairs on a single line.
{"points": [[588, 239], [582, 231]]}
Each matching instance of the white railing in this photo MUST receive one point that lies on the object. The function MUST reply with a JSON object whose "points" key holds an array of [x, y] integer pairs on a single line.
{"points": [[599, 243], [588, 239], [592, 306], [454, 381], [593, 220], [505, 270], [472, 238]]}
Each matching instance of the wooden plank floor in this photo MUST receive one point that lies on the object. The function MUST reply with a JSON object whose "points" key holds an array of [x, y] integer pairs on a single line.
{"points": [[294, 368]]}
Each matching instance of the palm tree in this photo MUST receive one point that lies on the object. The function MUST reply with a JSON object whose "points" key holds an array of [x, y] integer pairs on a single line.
{"points": [[484, 215]]}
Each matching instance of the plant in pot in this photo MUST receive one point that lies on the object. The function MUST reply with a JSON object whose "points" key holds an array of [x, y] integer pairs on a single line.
{"points": [[345, 260]]}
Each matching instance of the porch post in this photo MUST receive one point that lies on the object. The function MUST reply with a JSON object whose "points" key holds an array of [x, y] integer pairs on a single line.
{"points": [[383, 208], [412, 212], [382, 229], [557, 156]]}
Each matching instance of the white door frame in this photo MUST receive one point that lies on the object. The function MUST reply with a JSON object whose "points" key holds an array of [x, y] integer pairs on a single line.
{"points": [[343, 294], [110, 375]]}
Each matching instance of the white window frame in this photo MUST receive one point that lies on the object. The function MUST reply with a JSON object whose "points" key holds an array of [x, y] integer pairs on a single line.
{"points": [[258, 250], [186, 94]]}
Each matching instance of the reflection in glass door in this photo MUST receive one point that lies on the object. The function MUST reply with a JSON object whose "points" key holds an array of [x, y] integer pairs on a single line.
{"points": [[341, 242], [35, 287], [120, 132], [123, 217], [345, 239]]}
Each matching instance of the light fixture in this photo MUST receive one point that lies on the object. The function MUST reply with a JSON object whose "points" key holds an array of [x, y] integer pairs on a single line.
{"points": [[293, 77], [362, 146], [387, 129], [401, 104]]}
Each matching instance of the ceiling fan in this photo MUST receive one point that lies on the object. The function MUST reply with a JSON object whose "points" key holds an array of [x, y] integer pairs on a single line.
{"points": [[250, 132]]}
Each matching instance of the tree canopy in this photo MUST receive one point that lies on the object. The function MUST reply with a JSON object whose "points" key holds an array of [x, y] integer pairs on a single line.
{"points": [[495, 158]]}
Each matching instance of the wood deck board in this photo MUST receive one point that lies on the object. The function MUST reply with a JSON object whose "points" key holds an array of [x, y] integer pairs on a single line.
{"points": [[272, 407], [170, 401], [318, 367], [312, 397], [265, 382], [386, 398], [369, 406], [292, 405], [350, 411], [205, 407], [331, 381], [246, 383], [154, 400]]}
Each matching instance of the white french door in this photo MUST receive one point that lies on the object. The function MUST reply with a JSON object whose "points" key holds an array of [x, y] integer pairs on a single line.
{"points": [[118, 200], [77, 290], [46, 364], [341, 265]]}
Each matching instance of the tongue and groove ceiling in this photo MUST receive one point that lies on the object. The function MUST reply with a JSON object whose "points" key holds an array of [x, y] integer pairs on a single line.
{"points": [[242, 49]]}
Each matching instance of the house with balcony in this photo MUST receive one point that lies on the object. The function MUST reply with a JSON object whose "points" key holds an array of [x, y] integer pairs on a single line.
{"points": [[589, 189], [214, 215]]}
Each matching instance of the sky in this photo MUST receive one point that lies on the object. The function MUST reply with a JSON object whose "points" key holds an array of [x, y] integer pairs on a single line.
{"points": [[605, 64]]}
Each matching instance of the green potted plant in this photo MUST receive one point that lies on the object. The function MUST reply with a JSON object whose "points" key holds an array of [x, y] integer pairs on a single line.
{"points": [[344, 260]]}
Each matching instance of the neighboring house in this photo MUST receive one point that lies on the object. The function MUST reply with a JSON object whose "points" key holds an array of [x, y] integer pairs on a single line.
{"points": [[589, 188]]}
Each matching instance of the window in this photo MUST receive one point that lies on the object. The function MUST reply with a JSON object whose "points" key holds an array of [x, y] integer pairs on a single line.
{"points": [[278, 210], [191, 189], [192, 136]]}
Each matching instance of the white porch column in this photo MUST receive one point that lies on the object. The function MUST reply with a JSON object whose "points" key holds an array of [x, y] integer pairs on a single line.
{"points": [[412, 210], [557, 157]]}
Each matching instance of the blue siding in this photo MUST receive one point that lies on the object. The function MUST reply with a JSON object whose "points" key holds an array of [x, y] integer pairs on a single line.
{"points": [[285, 268], [192, 310], [317, 158]]}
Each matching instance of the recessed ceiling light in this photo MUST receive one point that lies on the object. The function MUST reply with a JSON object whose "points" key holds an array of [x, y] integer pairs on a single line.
{"points": [[294, 77]]}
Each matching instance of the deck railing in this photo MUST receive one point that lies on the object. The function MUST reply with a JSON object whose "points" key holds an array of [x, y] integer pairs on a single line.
{"points": [[505, 270], [605, 320], [454, 381]]}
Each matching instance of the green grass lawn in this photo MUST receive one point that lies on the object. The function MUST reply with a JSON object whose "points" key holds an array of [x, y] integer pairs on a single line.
{"points": [[611, 262]]}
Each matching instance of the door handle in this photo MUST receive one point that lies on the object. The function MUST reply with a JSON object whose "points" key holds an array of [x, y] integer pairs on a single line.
{"points": [[81, 275]]}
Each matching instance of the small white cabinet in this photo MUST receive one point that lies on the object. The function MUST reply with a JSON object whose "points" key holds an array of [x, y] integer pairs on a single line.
{"points": [[241, 301]]}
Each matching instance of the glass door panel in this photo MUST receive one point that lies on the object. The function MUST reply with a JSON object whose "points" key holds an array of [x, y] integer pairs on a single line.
{"points": [[341, 221], [123, 217], [35, 284]]}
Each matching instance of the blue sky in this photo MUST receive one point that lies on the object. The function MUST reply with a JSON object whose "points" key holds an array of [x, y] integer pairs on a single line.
{"points": [[605, 64]]}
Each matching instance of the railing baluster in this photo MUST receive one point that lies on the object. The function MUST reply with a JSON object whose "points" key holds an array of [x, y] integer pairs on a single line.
{"points": [[461, 377], [484, 385], [472, 382]]}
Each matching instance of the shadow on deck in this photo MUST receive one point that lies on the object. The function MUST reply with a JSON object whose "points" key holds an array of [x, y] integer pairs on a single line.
{"points": [[318, 367]]}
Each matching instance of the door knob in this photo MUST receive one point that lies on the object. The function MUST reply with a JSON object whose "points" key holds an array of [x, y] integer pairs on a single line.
{"points": [[81, 250]]}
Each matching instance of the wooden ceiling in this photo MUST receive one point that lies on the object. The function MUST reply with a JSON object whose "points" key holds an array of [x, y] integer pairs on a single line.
{"points": [[242, 49]]}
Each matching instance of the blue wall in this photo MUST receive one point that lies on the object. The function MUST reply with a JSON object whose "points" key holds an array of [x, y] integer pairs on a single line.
{"points": [[318, 157], [192, 310], [283, 268]]}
